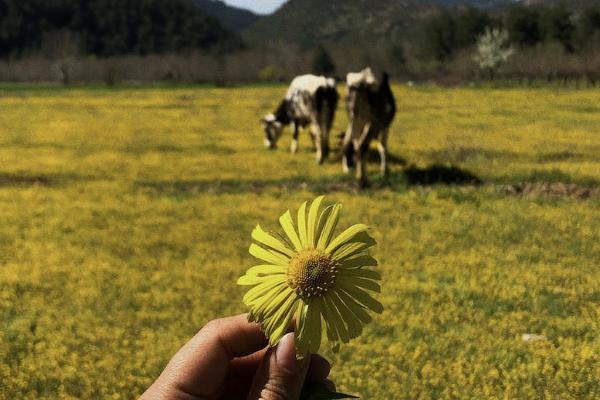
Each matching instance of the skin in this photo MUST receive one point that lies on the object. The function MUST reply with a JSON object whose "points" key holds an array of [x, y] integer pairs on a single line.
{"points": [[229, 359]]}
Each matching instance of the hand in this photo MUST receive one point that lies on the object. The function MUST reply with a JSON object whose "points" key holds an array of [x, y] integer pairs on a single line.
{"points": [[229, 359]]}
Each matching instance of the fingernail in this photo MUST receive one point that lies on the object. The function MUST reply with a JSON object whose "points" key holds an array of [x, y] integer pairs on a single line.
{"points": [[286, 354]]}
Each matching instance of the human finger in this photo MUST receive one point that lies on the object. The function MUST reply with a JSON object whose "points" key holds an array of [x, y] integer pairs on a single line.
{"points": [[281, 375], [201, 366], [247, 366]]}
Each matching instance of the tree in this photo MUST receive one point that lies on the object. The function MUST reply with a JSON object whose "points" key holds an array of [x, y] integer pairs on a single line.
{"points": [[588, 27], [556, 25], [112, 27], [522, 24], [440, 36], [493, 50], [322, 62], [452, 30], [470, 25]]}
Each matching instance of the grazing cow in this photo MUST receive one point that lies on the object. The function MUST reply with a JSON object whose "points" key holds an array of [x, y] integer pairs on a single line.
{"points": [[371, 110], [310, 102]]}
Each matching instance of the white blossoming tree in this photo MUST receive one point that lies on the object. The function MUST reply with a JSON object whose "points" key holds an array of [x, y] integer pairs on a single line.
{"points": [[493, 50]]}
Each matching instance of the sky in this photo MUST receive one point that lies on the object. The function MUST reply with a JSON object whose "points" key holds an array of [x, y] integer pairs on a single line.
{"points": [[258, 6]]}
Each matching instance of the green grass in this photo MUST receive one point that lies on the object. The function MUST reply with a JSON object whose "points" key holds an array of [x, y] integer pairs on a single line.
{"points": [[126, 217]]}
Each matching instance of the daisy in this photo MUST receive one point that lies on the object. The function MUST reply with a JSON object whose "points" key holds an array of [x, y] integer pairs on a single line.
{"points": [[319, 281]]}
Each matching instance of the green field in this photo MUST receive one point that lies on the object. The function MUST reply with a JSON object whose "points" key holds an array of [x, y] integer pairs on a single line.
{"points": [[125, 219]]}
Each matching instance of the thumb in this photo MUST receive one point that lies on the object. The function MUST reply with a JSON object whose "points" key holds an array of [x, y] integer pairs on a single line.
{"points": [[280, 376]]}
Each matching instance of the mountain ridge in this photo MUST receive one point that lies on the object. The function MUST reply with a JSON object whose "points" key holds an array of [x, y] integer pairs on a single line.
{"points": [[311, 22], [232, 18]]}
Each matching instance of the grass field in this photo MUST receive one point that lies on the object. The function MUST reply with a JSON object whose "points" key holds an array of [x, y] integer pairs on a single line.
{"points": [[125, 219]]}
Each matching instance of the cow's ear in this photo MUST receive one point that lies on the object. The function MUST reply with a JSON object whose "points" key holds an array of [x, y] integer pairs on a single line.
{"points": [[268, 119]]}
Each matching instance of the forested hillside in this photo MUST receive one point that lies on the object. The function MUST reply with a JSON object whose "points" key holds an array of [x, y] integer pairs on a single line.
{"points": [[232, 18], [200, 40], [110, 27], [312, 22], [308, 22]]}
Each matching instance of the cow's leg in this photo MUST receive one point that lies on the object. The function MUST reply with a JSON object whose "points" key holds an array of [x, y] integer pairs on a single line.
{"points": [[361, 148], [325, 127], [355, 125], [319, 144], [382, 147], [348, 158], [361, 167], [313, 137], [324, 145], [296, 131], [347, 153], [324, 139]]}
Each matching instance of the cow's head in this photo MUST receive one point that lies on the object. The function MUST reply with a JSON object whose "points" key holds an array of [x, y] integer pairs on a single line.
{"points": [[273, 130]]}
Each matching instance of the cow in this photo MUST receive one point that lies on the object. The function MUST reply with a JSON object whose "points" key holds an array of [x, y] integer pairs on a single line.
{"points": [[371, 110], [310, 102]]}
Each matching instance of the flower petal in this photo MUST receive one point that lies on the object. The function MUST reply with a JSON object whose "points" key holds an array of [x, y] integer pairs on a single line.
{"points": [[361, 296], [308, 339], [323, 217], [361, 273], [336, 319], [278, 301], [258, 307], [314, 330], [360, 282], [287, 223], [265, 238], [346, 236], [362, 260], [353, 248], [332, 334], [357, 309], [313, 214], [299, 315], [251, 280], [268, 256], [302, 345], [263, 288], [329, 227], [354, 324], [270, 311], [283, 318], [266, 269], [302, 225]]}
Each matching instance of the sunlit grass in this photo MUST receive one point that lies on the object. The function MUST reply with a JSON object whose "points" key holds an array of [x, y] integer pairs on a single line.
{"points": [[121, 209]]}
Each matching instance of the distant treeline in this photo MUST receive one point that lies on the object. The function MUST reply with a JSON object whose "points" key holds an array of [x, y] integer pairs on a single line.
{"points": [[455, 29], [112, 41], [110, 27]]}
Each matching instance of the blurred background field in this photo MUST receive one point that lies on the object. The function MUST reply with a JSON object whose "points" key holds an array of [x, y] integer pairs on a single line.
{"points": [[126, 216]]}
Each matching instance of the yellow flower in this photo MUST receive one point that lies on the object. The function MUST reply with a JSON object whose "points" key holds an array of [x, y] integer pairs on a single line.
{"points": [[310, 277]]}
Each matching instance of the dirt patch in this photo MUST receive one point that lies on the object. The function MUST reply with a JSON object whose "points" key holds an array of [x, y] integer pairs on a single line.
{"points": [[555, 189], [24, 180], [195, 187], [440, 174], [45, 180]]}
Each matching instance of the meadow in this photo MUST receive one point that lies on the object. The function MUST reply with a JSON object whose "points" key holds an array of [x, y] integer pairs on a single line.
{"points": [[125, 220]]}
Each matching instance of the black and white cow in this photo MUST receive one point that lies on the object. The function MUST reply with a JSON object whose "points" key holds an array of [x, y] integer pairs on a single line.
{"points": [[371, 110], [310, 102]]}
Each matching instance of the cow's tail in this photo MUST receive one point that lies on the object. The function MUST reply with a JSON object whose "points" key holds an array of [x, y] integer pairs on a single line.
{"points": [[348, 153], [386, 96], [326, 103]]}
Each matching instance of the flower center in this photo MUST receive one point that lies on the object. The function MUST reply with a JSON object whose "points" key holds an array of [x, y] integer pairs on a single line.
{"points": [[311, 273]]}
